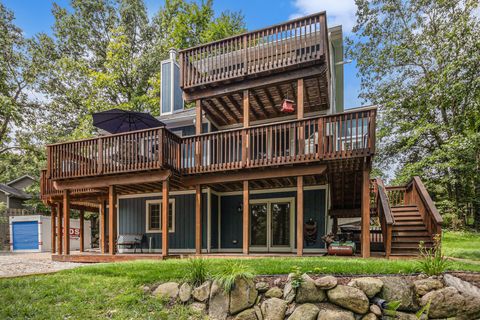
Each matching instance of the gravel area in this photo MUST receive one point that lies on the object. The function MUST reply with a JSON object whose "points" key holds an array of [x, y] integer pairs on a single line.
{"points": [[21, 264]]}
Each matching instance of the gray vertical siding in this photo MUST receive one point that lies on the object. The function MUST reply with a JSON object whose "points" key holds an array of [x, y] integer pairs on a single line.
{"points": [[132, 218], [231, 219]]}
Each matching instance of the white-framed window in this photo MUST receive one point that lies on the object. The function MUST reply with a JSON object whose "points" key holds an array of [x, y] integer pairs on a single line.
{"points": [[154, 216]]}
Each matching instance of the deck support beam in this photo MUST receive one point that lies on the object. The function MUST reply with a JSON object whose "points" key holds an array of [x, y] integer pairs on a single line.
{"points": [[246, 217], [101, 212], [59, 229], [66, 222], [366, 213], [81, 229], [165, 209], [112, 218], [198, 131], [53, 228], [299, 215], [198, 219]]}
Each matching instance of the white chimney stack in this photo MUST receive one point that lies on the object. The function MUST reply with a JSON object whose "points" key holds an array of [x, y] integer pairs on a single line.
{"points": [[171, 99]]}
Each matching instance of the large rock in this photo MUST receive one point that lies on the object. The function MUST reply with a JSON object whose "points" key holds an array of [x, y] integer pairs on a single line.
{"points": [[218, 302], [471, 309], [401, 316], [349, 298], [243, 295], [371, 286], [309, 292], [305, 311], [376, 310], [399, 289], [185, 292], [198, 307], [167, 290], [424, 286], [274, 309], [369, 316], [274, 292], [332, 314], [262, 286], [248, 314], [288, 290], [202, 292], [327, 282], [444, 303]]}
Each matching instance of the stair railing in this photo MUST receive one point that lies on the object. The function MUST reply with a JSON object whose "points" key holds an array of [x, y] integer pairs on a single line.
{"points": [[385, 215], [416, 193]]}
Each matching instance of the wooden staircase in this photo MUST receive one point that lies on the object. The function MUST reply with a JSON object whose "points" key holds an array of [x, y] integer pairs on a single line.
{"points": [[407, 217], [409, 230]]}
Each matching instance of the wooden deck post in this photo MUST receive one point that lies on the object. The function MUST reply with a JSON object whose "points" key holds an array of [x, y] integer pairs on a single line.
{"points": [[300, 115], [246, 217], [112, 218], [198, 131], [165, 209], [59, 229], [366, 213], [66, 222], [300, 215], [246, 124], [198, 219], [101, 212], [53, 228], [82, 240]]}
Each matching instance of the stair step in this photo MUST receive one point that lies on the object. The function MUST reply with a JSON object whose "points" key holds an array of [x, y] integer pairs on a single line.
{"points": [[406, 213], [409, 245], [409, 218], [409, 223], [404, 208], [409, 228], [426, 240], [410, 233]]}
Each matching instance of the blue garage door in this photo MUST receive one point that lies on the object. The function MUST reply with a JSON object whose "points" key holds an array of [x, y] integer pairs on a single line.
{"points": [[25, 235]]}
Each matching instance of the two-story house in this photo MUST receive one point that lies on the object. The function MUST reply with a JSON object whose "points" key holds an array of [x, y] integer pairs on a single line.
{"points": [[266, 161]]}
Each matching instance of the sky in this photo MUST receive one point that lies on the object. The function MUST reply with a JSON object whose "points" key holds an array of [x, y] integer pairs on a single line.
{"points": [[35, 16]]}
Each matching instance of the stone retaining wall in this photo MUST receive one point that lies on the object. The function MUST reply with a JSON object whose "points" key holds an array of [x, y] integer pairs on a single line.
{"points": [[325, 298]]}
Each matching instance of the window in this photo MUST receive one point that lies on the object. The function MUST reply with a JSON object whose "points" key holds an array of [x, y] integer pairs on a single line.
{"points": [[154, 216]]}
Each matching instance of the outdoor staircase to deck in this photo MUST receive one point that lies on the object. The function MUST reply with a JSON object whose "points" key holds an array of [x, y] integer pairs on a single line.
{"points": [[407, 217], [409, 230]]}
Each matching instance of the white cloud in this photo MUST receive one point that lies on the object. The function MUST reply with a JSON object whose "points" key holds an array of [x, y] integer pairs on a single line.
{"points": [[338, 11]]}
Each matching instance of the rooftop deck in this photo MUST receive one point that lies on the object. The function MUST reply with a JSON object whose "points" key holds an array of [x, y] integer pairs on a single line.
{"points": [[278, 48]]}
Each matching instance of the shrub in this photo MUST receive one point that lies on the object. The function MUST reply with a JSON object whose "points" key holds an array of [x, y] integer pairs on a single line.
{"points": [[296, 277], [196, 271], [432, 261], [231, 272]]}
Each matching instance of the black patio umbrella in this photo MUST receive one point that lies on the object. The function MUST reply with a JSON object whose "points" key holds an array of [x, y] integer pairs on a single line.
{"points": [[117, 121]]}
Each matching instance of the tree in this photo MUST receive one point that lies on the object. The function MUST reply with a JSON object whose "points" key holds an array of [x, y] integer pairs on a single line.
{"points": [[17, 73], [419, 60], [107, 54]]}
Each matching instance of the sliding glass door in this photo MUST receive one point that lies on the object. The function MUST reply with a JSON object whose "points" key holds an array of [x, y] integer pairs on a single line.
{"points": [[271, 225]]}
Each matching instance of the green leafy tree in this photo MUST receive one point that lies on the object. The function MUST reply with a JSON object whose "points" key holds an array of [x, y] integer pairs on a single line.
{"points": [[107, 54], [419, 60]]}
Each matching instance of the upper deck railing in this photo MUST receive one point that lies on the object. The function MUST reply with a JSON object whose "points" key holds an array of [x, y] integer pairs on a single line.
{"points": [[340, 136], [279, 47]]}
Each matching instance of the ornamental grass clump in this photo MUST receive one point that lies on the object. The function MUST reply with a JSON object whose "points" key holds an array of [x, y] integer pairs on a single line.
{"points": [[432, 261], [231, 272], [196, 271]]}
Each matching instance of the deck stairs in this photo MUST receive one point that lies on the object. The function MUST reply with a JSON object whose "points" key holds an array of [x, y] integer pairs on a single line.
{"points": [[408, 231]]}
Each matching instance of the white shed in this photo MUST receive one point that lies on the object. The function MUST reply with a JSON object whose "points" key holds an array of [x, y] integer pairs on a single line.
{"points": [[33, 233]]}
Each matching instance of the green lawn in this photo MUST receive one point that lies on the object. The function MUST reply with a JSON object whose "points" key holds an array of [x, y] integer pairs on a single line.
{"points": [[113, 290], [465, 245]]}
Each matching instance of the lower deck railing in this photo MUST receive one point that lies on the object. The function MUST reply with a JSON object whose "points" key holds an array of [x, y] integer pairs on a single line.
{"points": [[339, 136]]}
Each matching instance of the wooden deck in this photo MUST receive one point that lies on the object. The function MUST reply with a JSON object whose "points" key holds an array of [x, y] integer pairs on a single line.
{"points": [[342, 136], [277, 48]]}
